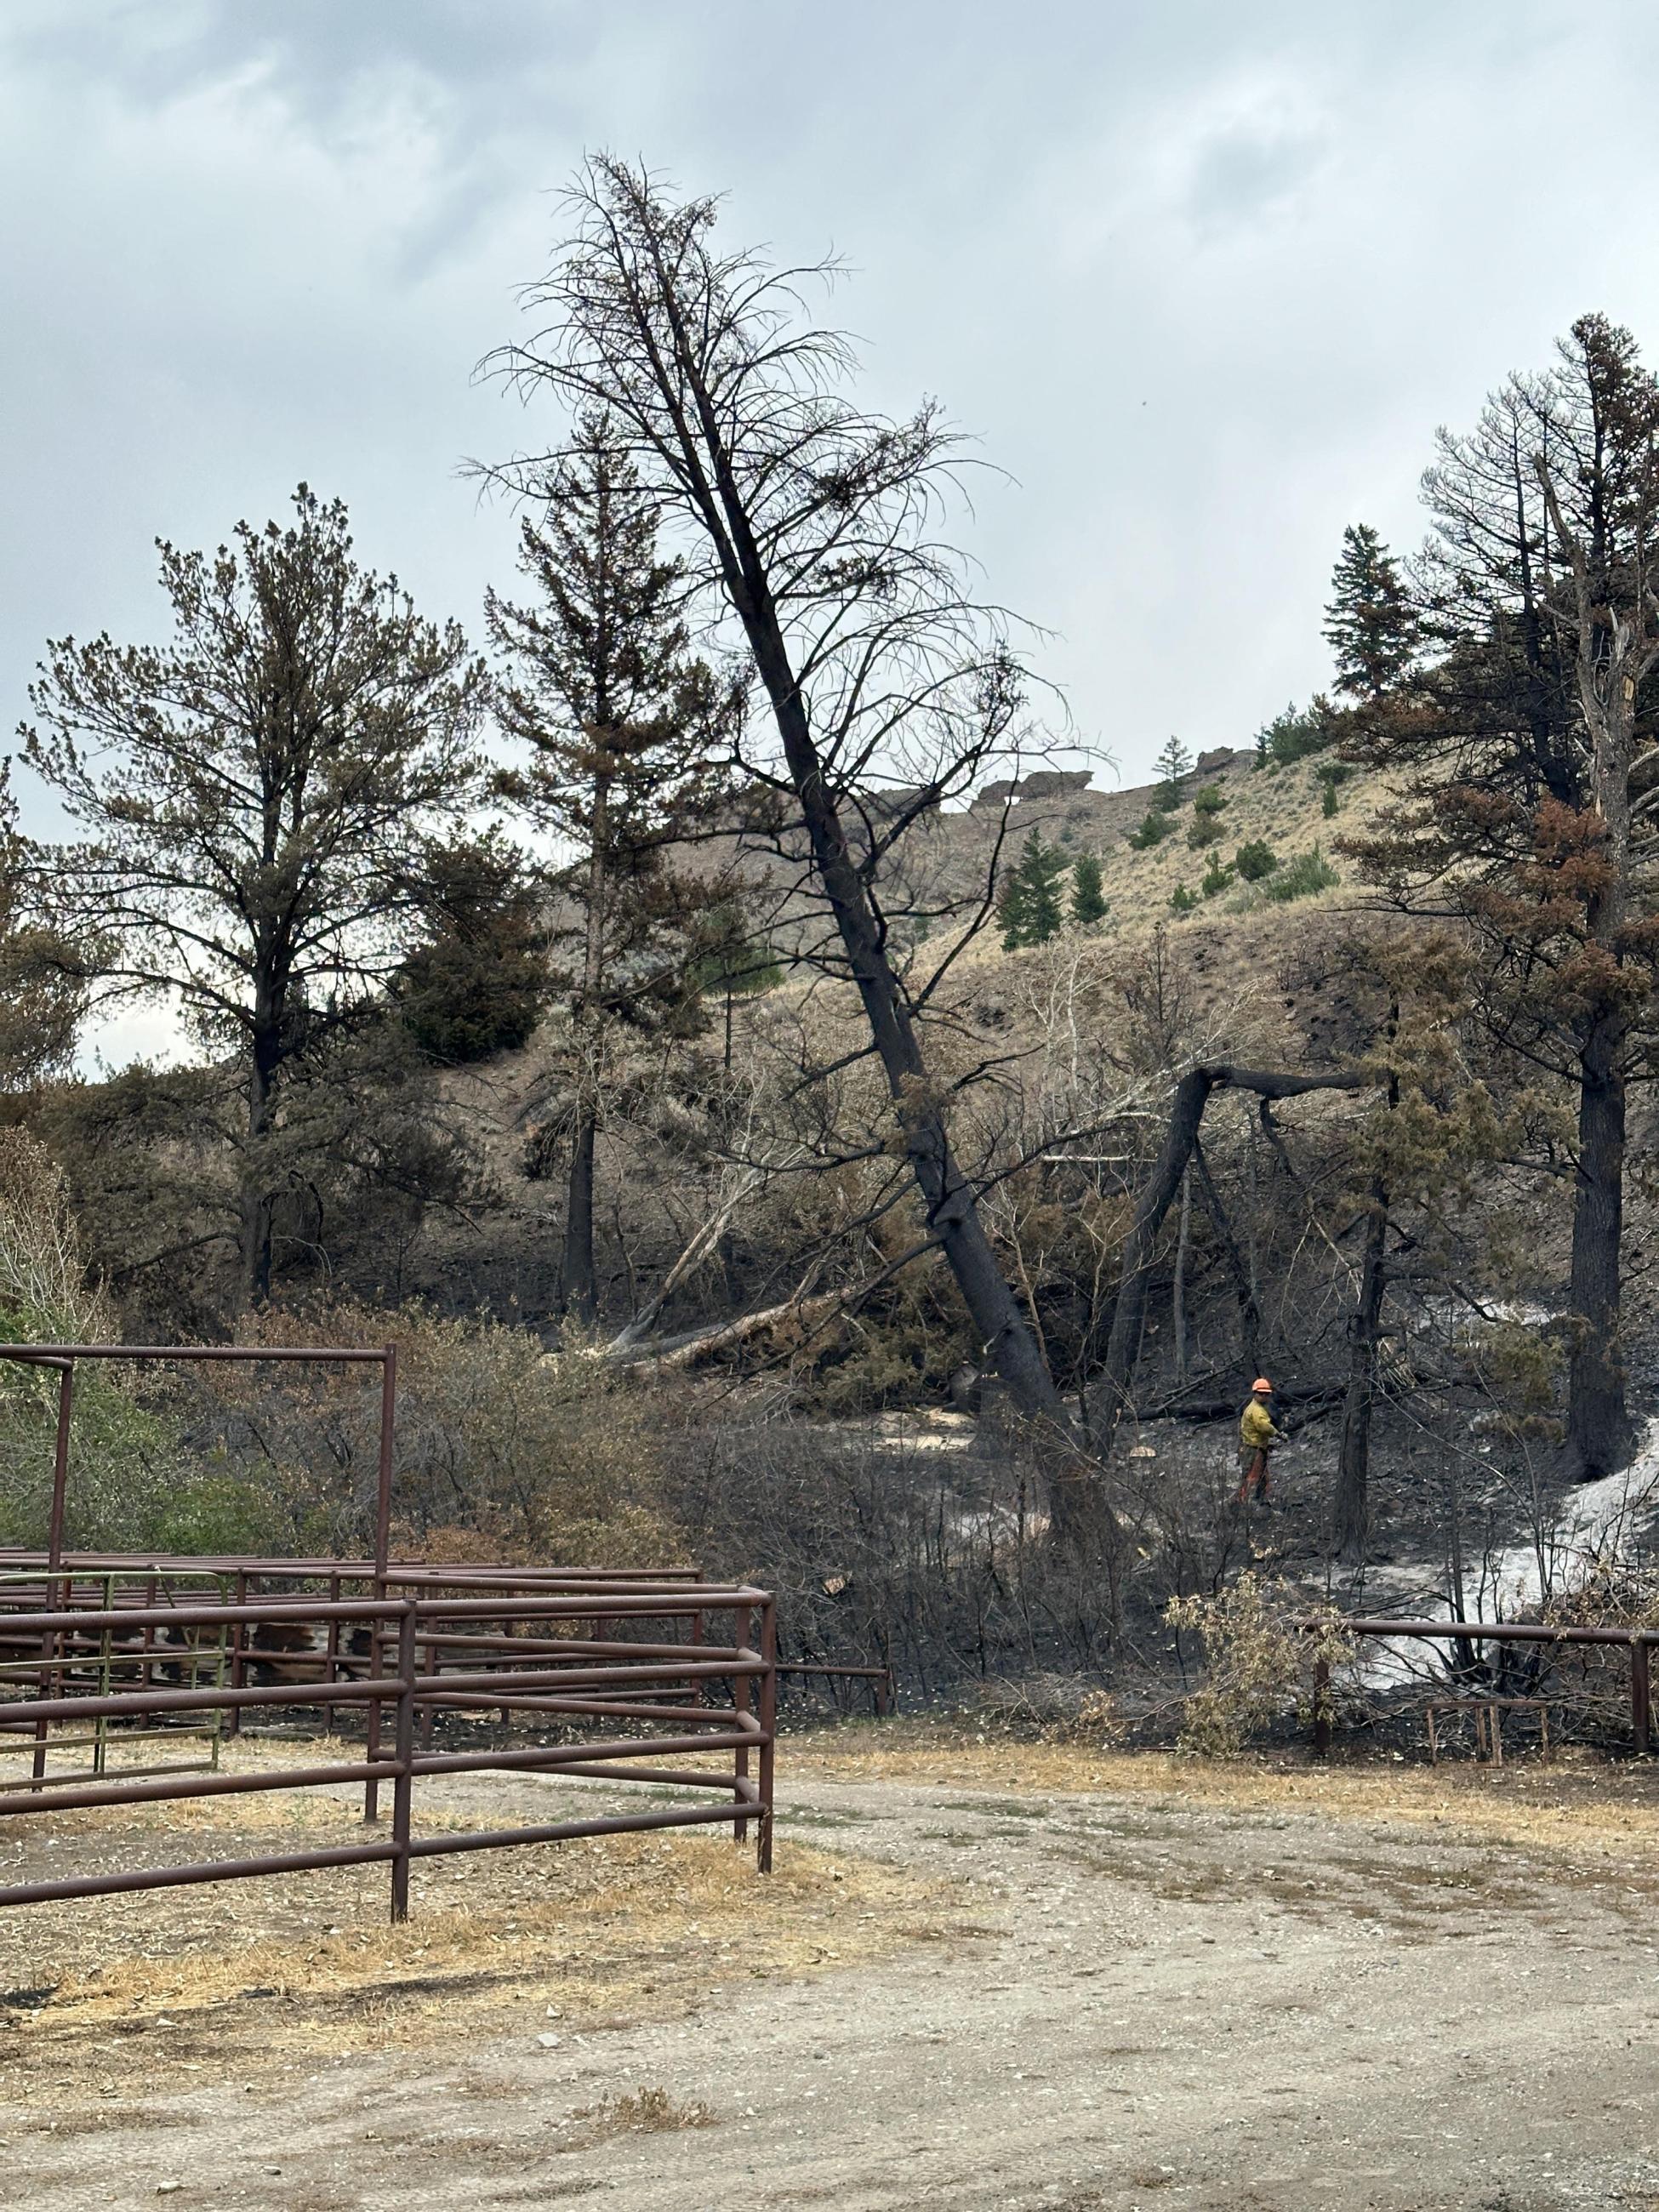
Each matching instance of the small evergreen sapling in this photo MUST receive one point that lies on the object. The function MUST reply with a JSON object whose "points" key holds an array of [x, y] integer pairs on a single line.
{"points": [[1153, 829], [1088, 898], [1175, 766], [1205, 829], [1216, 877]]}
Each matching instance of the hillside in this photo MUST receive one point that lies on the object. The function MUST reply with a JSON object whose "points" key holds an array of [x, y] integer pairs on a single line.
{"points": [[1240, 970], [1281, 806]]}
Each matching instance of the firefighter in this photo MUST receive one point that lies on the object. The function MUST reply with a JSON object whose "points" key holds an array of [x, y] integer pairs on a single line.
{"points": [[1259, 1434]]}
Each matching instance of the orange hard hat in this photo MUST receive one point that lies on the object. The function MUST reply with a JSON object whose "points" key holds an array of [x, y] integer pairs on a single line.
{"points": [[1261, 1383]]}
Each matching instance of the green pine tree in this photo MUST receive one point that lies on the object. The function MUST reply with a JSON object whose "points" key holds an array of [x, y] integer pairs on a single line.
{"points": [[1011, 910], [475, 981], [1029, 907], [1174, 765], [1371, 624], [1088, 895]]}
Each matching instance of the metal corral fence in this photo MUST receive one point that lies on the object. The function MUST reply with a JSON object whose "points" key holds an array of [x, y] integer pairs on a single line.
{"points": [[1461, 1666], [101, 1655], [687, 1669]]}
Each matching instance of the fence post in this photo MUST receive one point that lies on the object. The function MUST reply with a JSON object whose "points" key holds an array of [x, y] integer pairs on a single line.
{"points": [[768, 1721], [402, 1787], [1322, 1707], [741, 1616], [333, 1652], [1640, 1701], [238, 1645]]}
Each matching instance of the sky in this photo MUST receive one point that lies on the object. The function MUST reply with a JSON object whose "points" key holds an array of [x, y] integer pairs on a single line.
{"points": [[1201, 280]]}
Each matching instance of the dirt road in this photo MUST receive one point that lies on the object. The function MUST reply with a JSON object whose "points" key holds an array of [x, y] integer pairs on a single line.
{"points": [[1138, 1998]]}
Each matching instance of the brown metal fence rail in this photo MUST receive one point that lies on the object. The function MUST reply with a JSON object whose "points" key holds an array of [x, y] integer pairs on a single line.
{"points": [[691, 1712], [1467, 1635]]}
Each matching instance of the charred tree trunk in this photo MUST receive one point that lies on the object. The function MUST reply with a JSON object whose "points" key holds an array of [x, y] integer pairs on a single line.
{"points": [[1598, 1422], [1005, 1334], [1157, 1195], [257, 1202], [1250, 1312], [578, 1274], [580, 1297], [1350, 1514], [1615, 650], [1178, 1288]]}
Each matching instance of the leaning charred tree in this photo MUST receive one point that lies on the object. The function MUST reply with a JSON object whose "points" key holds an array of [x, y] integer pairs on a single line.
{"points": [[1158, 1193], [812, 524]]}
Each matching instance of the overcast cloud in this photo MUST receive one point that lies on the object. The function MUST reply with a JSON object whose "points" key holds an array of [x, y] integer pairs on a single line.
{"points": [[1203, 279]]}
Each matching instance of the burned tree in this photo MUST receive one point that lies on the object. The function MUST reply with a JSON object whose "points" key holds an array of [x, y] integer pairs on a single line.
{"points": [[811, 524], [1526, 746]]}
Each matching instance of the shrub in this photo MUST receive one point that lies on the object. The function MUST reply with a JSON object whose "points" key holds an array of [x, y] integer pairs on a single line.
{"points": [[1255, 1662], [520, 1455], [1183, 901], [1254, 860], [122, 1469], [1153, 830], [551, 1458], [1216, 878], [1059, 1708], [1208, 806], [1301, 877]]}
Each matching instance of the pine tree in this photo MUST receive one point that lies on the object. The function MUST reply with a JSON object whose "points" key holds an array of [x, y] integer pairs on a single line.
{"points": [[256, 797], [623, 725], [1371, 625], [1174, 765], [1088, 896], [475, 983], [1029, 907], [1152, 829]]}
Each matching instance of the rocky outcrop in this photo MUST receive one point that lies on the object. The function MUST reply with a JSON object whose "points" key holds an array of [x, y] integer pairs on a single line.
{"points": [[1041, 783], [1053, 782]]}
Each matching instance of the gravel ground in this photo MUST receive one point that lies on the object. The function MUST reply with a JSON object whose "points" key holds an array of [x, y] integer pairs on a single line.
{"points": [[1146, 1999]]}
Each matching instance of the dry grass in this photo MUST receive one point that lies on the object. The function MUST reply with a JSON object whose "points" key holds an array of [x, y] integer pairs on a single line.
{"points": [[1577, 1805], [646, 2112], [548, 1940]]}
